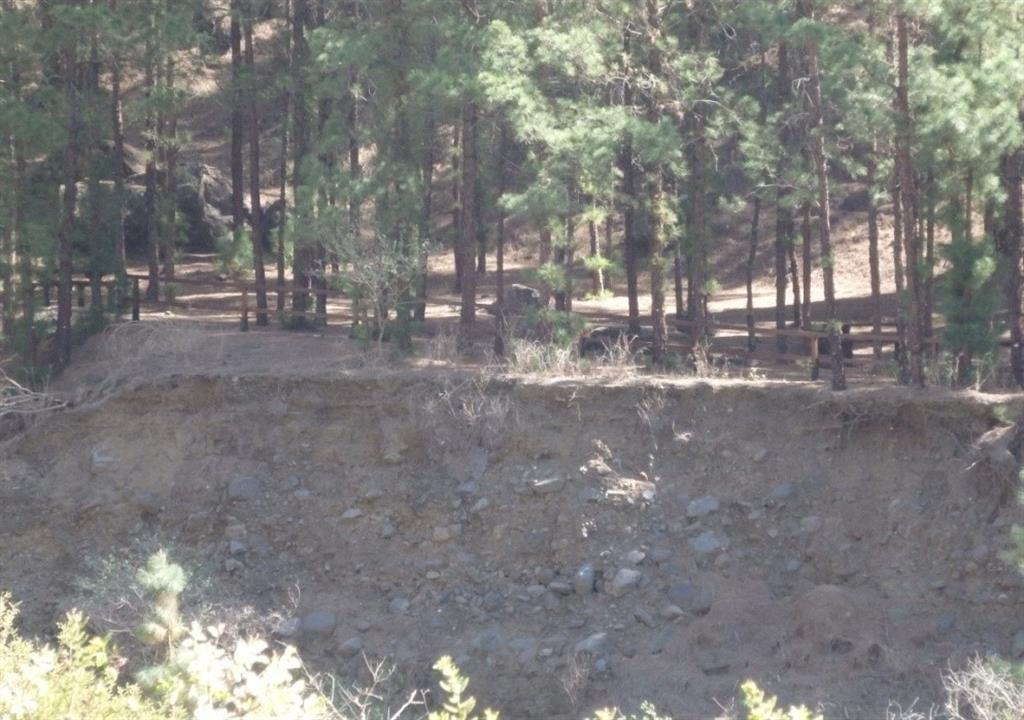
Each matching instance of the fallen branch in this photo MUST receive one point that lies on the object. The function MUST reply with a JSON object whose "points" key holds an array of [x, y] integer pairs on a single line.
{"points": [[18, 400]]}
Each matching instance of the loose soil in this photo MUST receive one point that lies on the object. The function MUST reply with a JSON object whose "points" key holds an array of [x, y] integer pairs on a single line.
{"points": [[841, 550]]}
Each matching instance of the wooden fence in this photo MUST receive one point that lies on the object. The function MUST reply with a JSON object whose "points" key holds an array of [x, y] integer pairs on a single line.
{"points": [[810, 340]]}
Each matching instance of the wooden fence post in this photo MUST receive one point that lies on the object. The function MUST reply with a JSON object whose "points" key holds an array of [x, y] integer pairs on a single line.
{"points": [[814, 356], [245, 309], [136, 299]]}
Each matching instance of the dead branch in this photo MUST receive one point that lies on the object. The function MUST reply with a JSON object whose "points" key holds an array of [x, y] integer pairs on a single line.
{"points": [[18, 400]]}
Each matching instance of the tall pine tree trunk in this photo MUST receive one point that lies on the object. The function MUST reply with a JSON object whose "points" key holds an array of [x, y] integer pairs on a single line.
{"points": [[282, 227], [929, 261], [457, 207], [355, 170], [807, 242], [564, 255], [697, 216], [468, 240], [303, 250], [824, 221], [257, 222], [596, 274], [501, 323], [21, 245], [655, 196], [237, 125], [784, 224], [61, 350], [117, 129], [627, 166], [629, 235], [678, 276], [899, 274], [426, 224], [908, 201], [170, 205], [8, 240], [755, 232], [696, 225], [873, 255], [8, 256], [1010, 240], [150, 199], [794, 274]]}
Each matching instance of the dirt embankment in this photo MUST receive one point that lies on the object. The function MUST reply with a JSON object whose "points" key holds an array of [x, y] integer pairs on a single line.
{"points": [[572, 544]]}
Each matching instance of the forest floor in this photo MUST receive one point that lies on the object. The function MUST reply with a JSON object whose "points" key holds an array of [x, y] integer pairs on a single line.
{"points": [[572, 542], [205, 117]]}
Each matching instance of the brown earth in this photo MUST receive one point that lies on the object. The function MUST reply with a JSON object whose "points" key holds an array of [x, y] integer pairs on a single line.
{"points": [[428, 512]]}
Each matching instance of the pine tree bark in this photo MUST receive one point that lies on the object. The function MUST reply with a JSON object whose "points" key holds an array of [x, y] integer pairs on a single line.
{"points": [[784, 224], [22, 247], [8, 255], [908, 200], [150, 198], [929, 261], [824, 221], [794, 274], [569, 259], [457, 207], [655, 196], [807, 243], [698, 162], [328, 161], [873, 255], [501, 322], [170, 206], [564, 254], [478, 208], [627, 166], [468, 240], [117, 130], [256, 219], [899, 274], [61, 350], [597, 274], [696, 224], [755, 233], [678, 275], [426, 224], [355, 169], [303, 251], [1010, 241], [237, 124], [283, 167], [406, 159]]}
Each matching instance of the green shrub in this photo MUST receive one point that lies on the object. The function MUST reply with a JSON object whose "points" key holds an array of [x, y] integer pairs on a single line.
{"points": [[761, 707], [457, 706], [76, 679]]}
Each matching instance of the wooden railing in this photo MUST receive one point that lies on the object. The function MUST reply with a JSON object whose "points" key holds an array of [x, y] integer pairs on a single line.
{"points": [[811, 340], [245, 292]]}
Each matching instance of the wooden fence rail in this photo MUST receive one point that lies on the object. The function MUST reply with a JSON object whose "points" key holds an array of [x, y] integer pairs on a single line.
{"points": [[814, 341]]}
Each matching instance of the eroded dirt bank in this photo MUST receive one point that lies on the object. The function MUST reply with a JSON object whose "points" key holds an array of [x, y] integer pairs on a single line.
{"points": [[567, 542]]}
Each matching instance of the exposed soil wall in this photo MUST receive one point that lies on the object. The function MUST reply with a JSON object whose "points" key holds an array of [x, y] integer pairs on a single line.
{"points": [[840, 550]]}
